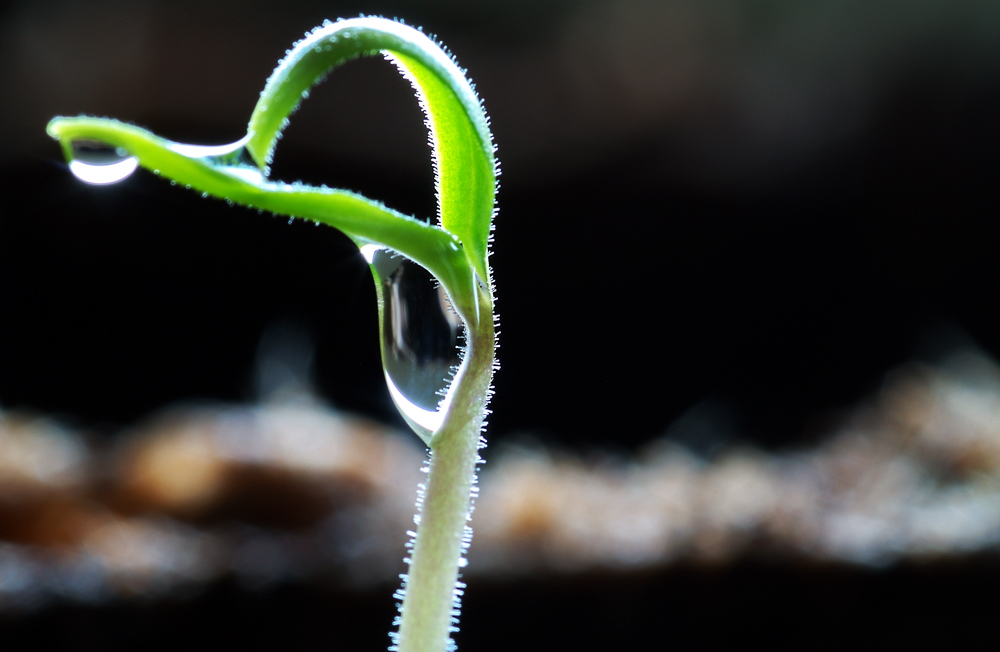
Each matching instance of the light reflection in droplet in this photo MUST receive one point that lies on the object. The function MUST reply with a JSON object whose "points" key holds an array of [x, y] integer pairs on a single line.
{"points": [[250, 175], [99, 163], [368, 252], [209, 151], [103, 174], [231, 158], [420, 334], [427, 419]]}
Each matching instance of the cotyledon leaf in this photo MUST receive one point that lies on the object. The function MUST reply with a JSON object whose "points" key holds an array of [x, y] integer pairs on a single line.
{"points": [[455, 252], [465, 169]]}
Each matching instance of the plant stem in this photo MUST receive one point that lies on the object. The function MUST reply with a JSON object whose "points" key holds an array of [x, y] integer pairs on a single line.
{"points": [[429, 601]]}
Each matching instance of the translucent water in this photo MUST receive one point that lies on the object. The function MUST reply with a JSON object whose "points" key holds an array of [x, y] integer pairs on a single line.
{"points": [[232, 158], [99, 163], [420, 338], [223, 154]]}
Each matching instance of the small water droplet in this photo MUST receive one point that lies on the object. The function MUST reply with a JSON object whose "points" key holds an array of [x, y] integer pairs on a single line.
{"points": [[100, 163], [246, 173], [228, 154], [462, 562], [231, 158], [420, 334]]}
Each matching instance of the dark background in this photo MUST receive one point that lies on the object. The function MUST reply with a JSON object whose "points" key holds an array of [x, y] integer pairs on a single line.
{"points": [[755, 206]]}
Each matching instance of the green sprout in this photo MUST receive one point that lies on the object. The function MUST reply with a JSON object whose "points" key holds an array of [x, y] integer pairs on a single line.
{"points": [[441, 392]]}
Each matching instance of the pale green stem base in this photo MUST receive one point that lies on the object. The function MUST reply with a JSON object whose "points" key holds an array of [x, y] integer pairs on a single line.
{"points": [[430, 588]]}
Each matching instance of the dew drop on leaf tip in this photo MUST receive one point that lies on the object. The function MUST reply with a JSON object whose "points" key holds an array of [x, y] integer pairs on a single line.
{"points": [[98, 163], [420, 333]]}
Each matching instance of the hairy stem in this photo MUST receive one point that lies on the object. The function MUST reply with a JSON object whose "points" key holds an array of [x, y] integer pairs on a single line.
{"points": [[455, 252], [430, 601]]}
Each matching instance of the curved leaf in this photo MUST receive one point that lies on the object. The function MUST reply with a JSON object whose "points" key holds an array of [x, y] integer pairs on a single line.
{"points": [[454, 252], [359, 217], [465, 166]]}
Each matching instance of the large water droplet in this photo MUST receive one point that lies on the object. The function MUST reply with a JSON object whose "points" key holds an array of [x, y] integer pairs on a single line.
{"points": [[99, 163], [420, 338]]}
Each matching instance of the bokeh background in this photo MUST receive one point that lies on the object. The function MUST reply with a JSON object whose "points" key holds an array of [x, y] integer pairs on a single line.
{"points": [[750, 209]]}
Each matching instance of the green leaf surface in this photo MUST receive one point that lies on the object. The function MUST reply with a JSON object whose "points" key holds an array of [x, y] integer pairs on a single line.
{"points": [[366, 221], [465, 167], [455, 251]]}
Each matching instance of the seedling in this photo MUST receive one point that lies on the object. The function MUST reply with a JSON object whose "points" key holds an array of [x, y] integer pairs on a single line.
{"points": [[433, 281]]}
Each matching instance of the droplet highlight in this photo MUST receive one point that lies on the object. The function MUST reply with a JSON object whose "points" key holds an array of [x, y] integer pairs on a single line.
{"points": [[420, 337], [99, 163], [232, 158]]}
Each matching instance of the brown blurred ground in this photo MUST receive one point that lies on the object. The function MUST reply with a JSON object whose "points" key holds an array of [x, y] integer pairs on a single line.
{"points": [[294, 491]]}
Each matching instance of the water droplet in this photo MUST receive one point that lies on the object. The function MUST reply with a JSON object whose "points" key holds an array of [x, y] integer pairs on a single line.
{"points": [[248, 174], [228, 154], [99, 163], [232, 158], [420, 338]]}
